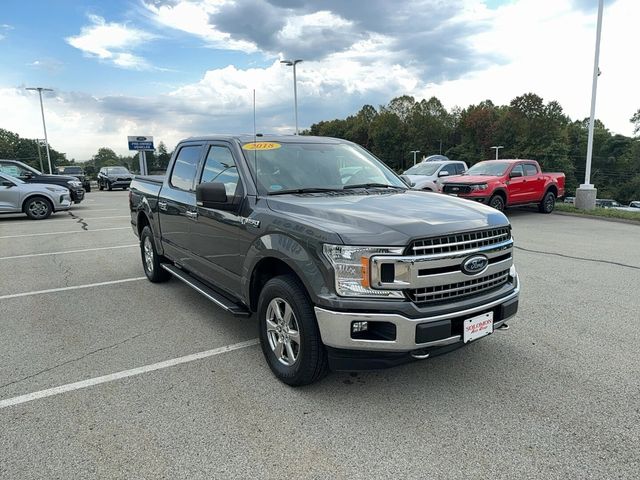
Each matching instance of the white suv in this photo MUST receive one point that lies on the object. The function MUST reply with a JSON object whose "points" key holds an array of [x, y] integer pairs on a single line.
{"points": [[426, 175]]}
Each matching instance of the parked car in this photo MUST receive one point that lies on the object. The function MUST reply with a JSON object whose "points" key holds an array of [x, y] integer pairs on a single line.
{"points": [[505, 183], [632, 207], [29, 174], [425, 175], [114, 177], [347, 275], [571, 200], [607, 203], [635, 204], [77, 172], [37, 200]]}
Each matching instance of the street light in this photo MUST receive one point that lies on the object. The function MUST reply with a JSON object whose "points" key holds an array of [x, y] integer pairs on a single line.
{"points": [[498, 149], [293, 63], [586, 193], [44, 125], [414, 155]]}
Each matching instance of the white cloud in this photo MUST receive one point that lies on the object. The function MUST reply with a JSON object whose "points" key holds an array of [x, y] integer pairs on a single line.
{"points": [[112, 42]]}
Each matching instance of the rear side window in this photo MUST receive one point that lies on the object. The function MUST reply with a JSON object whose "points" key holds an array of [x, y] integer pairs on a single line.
{"points": [[530, 170], [184, 170], [221, 167]]}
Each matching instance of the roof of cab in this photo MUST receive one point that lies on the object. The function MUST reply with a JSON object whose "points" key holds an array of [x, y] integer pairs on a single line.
{"points": [[249, 138]]}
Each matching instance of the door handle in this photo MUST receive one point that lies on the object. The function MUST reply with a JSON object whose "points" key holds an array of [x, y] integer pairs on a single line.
{"points": [[192, 215], [162, 205]]}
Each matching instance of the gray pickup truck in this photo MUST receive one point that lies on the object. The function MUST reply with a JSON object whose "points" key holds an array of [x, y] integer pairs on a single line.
{"points": [[344, 265]]}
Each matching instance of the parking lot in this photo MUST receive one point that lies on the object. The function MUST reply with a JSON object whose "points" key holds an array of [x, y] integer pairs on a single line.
{"points": [[555, 396]]}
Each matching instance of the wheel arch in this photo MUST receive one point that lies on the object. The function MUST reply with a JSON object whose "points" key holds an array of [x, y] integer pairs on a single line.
{"points": [[37, 194]]}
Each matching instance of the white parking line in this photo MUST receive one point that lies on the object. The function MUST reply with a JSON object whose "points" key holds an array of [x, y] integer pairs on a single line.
{"points": [[29, 397], [65, 232], [68, 251], [64, 289]]}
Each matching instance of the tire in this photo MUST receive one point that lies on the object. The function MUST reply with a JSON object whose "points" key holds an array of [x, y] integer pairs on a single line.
{"points": [[88, 189], [548, 203], [38, 208], [100, 186], [109, 187], [150, 259], [497, 202], [285, 311]]}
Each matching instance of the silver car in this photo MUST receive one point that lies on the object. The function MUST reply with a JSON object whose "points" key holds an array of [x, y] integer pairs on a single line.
{"points": [[36, 200], [426, 175]]}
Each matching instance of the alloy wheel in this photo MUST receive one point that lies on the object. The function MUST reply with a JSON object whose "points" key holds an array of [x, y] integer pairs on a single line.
{"points": [[283, 332]]}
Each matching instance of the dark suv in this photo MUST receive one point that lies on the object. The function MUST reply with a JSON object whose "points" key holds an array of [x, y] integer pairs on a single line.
{"points": [[114, 177], [30, 175], [77, 172]]}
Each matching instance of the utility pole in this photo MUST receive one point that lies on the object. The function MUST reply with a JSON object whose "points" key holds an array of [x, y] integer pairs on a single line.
{"points": [[44, 125], [586, 194], [293, 63], [414, 155], [497, 148]]}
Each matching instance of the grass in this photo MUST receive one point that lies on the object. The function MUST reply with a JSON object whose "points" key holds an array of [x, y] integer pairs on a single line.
{"points": [[599, 212]]}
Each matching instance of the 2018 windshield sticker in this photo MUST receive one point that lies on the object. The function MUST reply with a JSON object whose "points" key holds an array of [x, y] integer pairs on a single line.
{"points": [[261, 146]]}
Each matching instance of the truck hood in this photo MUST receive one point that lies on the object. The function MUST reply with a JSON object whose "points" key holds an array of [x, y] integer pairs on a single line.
{"points": [[470, 179], [55, 179], [389, 218]]}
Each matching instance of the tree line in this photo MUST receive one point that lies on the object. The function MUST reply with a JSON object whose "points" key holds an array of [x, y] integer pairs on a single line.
{"points": [[527, 128]]}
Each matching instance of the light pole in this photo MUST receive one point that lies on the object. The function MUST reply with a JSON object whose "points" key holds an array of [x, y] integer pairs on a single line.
{"points": [[293, 63], [44, 125], [39, 154], [586, 193], [497, 148], [414, 155]]}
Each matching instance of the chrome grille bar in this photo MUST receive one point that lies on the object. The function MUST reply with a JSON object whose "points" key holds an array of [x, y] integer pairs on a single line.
{"points": [[460, 241], [460, 289]]}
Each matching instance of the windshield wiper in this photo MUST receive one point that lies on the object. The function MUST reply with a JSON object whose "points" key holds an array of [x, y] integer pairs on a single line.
{"points": [[371, 185], [305, 190]]}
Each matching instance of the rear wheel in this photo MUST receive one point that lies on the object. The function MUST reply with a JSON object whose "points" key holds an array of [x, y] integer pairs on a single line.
{"points": [[38, 208], [100, 186], [548, 203], [289, 333], [150, 259], [497, 202]]}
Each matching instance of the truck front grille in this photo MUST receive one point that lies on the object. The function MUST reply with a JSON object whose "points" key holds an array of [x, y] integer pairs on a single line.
{"points": [[460, 241], [456, 188], [460, 289]]}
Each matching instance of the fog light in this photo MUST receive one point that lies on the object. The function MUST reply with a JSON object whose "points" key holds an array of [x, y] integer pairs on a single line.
{"points": [[359, 327]]}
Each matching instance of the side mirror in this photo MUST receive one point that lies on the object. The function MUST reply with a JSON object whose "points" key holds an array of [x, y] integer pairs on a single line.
{"points": [[443, 173], [515, 174], [27, 174], [406, 180], [212, 195], [8, 184]]}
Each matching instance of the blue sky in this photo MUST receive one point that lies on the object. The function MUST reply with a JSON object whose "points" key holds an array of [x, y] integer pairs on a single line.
{"points": [[175, 68]]}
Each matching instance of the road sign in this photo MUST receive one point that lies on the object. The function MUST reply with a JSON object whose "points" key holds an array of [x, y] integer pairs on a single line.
{"points": [[140, 143]]}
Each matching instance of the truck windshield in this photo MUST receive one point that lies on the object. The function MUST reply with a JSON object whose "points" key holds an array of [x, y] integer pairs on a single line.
{"points": [[495, 168], [427, 168], [283, 167]]}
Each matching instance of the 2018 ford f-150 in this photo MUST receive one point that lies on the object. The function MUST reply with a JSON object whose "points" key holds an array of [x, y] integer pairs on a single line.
{"points": [[344, 265]]}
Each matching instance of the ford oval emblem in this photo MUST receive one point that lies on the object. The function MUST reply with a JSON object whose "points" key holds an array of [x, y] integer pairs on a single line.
{"points": [[141, 139], [475, 265]]}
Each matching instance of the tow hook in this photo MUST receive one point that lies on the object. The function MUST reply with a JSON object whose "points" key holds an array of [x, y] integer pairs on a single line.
{"points": [[504, 327], [419, 356]]}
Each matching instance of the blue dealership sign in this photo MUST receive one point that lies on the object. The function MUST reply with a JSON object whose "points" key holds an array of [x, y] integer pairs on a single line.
{"points": [[140, 143]]}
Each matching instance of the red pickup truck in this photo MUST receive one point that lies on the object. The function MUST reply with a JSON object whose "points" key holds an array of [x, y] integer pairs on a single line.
{"points": [[505, 183]]}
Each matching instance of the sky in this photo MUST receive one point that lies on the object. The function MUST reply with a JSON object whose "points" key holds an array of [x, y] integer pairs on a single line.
{"points": [[179, 68]]}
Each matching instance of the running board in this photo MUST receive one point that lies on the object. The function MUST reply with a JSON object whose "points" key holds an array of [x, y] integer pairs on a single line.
{"points": [[208, 292]]}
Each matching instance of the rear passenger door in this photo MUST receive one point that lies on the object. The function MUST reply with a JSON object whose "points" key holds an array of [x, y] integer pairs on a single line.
{"points": [[535, 182], [177, 204]]}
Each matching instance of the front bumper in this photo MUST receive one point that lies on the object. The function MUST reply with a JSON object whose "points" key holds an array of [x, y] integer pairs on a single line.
{"points": [[77, 194], [414, 338], [119, 183], [63, 202], [476, 198]]}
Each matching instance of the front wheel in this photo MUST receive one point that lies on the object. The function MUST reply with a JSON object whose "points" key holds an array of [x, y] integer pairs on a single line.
{"points": [[150, 258], [548, 203], [289, 333], [100, 186], [38, 208], [497, 202]]}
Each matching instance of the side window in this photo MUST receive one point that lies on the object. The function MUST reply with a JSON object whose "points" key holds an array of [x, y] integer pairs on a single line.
{"points": [[530, 170], [449, 168], [516, 169], [185, 167], [221, 167], [459, 168]]}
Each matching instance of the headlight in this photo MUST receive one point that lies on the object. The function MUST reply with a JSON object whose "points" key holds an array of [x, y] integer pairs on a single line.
{"points": [[479, 188], [351, 265], [74, 183]]}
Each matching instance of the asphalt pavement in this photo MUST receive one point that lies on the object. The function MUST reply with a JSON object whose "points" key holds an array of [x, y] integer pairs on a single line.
{"points": [[555, 396]]}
